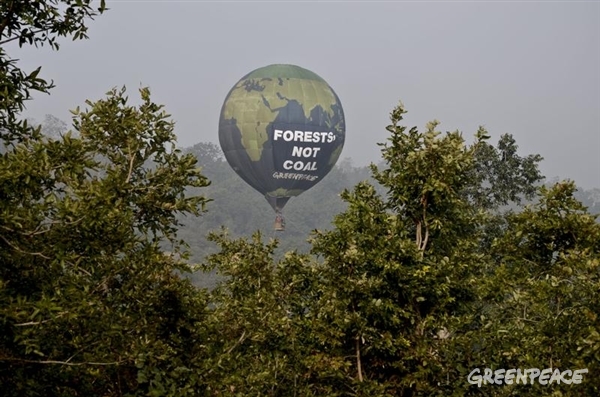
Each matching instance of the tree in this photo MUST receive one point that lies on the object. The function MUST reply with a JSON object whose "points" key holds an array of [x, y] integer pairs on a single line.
{"points": [[53, 126], [90, 303], [89, 300], [540, 304], [397, 272], [397, 275], [38, 23], [590, 198], [254, 348]]}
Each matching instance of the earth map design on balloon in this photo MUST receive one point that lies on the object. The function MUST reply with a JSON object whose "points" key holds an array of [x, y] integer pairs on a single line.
{"points": [[282, 130]]}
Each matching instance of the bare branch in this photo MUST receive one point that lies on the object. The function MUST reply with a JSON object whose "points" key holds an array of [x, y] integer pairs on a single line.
{"points": [[13, 359], [358, 363], [131, 158], [424, 244], [23, 252], [237, 343], [42, 321]]}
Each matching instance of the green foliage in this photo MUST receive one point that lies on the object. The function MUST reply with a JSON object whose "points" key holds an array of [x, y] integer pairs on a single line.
{"points": [[414, 288], [541, 302], [253, 334], [89, 300], [38, 23], [419, 279]]}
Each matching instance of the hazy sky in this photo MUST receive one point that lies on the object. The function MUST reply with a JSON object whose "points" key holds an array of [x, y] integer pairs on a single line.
{"points": [[527, 68]]}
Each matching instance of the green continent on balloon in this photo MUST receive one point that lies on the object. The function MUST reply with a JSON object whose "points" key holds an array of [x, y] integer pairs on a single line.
{"points": [[262, 99]]}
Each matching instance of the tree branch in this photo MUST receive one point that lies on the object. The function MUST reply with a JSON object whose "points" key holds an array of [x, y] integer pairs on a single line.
{"points": [[21, 251], [42, 321], [9, 15], [358, 363], [33, 32], [21, 360], [131, 158], [423, 242], [237, 343]]}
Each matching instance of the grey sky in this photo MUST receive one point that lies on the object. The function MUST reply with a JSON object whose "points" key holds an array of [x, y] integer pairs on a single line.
{"points": [[531, 68]]}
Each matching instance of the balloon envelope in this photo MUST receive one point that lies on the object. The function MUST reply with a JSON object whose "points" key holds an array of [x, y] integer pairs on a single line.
{"points": [[282, 130]]}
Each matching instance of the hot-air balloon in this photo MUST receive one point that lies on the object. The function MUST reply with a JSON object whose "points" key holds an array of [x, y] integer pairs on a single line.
{"points": [[282, 130]]}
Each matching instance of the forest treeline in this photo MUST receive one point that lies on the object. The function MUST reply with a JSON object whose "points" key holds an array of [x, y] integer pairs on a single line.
{"points": [[418, 280], [242, 211]]}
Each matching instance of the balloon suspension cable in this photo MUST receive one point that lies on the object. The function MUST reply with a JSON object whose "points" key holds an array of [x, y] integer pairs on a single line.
{"points": [[279, 221]]}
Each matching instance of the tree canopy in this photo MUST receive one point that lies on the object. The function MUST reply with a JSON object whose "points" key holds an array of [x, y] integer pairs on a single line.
{"points": [[447, 259]]}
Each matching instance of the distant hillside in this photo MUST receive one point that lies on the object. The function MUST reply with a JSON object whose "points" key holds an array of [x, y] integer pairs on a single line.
{"points": [[242, 210], [591, 199]]}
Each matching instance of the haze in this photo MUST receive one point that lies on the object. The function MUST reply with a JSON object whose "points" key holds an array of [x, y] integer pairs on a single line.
{"points": [[531, 69]]}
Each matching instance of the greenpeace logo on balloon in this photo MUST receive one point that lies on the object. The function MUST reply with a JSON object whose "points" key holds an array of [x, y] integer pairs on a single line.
{"points": [[304, 136], [295, 176]]}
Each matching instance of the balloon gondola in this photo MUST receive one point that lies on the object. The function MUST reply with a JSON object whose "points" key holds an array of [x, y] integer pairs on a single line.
{"points": [[281, 129]]}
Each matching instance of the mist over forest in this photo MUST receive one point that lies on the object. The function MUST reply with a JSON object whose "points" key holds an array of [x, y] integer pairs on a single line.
{"points": [[241, 210]]}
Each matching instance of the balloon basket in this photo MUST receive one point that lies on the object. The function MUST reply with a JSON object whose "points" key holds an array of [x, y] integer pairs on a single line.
{"points": [[279, 224]]}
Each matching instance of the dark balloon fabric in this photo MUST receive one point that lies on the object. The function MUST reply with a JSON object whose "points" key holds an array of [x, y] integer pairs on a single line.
{"points": [[282, 130]]}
